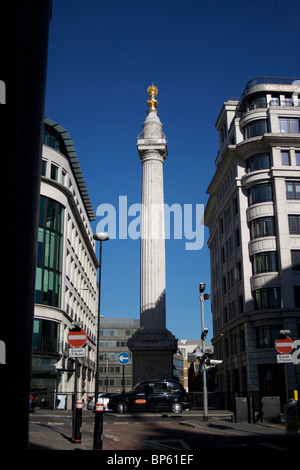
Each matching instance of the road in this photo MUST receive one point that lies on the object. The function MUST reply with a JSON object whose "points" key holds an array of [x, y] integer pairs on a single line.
{"points": [[187, 432]]}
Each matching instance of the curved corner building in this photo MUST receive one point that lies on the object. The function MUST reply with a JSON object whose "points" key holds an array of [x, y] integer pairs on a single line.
{"points": [[253, 215], [66, 275]]}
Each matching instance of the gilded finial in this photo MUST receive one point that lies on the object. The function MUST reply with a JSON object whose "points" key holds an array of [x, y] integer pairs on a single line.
{"points": [[152, 92]]}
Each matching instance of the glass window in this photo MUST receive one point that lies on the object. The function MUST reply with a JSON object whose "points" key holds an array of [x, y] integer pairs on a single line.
{"points": [[297, 298], [295, 260], [265, 262], [260, 193], [257, 102], [44, 168], [45, 336], [49, 253], [285, 157], [294, 224], [256, 128], [267, 335], [293, 189], [262, 227], [258, 162], [53, 172], [289, 125], [297, 158], [268, 297]]}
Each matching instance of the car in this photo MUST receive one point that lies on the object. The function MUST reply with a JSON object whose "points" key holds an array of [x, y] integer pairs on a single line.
{"points": [[152, 395], [102, 398]]}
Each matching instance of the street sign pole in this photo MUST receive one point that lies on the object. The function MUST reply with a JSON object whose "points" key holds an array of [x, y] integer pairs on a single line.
{"points": [[284, 345], [123, 388], [123, 359], [74, 399], [76, 338]]}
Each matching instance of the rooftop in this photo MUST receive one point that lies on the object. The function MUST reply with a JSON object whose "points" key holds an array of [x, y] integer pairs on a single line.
{"points": [[270, 80], [73, 159]]}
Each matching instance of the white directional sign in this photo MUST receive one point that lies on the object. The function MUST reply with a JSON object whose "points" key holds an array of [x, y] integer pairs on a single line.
{"points": [[283, 358], [77, 352]]}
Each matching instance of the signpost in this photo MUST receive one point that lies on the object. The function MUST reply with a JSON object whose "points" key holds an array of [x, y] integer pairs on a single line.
{"points": [[123, 359], [76, 338], [284, 346]]}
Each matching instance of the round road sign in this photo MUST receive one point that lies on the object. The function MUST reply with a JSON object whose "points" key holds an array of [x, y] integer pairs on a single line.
{"points": [[124, 358], [77, 338], [284, 346]]}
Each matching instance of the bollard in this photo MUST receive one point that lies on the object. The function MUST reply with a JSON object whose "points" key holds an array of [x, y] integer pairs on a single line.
{"points": [[78, 422], [98, 429]]}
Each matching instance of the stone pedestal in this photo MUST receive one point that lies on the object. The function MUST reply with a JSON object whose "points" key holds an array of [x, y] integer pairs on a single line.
{"points": [[152, 354]]}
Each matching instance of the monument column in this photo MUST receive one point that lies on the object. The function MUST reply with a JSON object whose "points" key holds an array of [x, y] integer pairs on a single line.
{"points": [[152, 345]]}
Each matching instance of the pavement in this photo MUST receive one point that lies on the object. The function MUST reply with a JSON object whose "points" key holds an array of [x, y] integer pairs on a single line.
{"points": [[52, 429]]}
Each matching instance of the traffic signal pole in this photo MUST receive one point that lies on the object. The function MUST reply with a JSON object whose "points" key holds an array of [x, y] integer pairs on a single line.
{"points": [[203, 335]]}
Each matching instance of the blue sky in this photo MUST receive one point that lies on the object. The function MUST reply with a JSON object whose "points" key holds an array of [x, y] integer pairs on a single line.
{"points": [[102, 57]]}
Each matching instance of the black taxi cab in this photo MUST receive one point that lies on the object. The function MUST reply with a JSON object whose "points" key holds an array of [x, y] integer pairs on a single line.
{"points": [[152, 395]]}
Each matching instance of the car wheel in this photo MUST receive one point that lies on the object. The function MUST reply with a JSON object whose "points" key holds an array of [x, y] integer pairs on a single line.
{"points": [[120, 408], [177, 407]]}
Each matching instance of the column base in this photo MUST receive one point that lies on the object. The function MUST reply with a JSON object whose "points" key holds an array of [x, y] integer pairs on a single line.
{"points": [[152, 354]]}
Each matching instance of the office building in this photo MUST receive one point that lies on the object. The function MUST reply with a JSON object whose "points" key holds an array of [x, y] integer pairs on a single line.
{"points": [[114, 333], [66, 275], [253, 216]]}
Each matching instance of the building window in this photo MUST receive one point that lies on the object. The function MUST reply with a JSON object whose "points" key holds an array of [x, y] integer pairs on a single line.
{"points": [[265, 262], [45, 337], [258, 162], [267, 335], [289, 125], [292, 189], [44, 167], [260, 193], [53, 141], [262, 227], [294, 224], [295, 260], [257, 103], [297, 158], [285, 157], [255, 128], [268, 297], [49, 254], [53, 172], [297, 297]]}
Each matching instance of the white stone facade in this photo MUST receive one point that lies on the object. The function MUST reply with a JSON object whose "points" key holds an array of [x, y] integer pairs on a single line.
{"points": [[62, 183], [254, 240]]}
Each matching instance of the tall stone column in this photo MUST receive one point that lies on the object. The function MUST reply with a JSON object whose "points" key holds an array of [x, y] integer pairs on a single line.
{"points": [[152, 345]]}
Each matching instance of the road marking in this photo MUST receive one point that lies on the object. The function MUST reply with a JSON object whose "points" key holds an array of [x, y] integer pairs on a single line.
{"points": [[273, 446], [165, 443]]}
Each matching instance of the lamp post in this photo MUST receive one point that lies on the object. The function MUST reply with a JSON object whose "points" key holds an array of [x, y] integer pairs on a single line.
{"points": [[203, 336], [101, 236]]}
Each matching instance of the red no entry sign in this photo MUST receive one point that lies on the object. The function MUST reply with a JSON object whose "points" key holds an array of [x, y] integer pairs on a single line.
{"points": [[284, 346], [77, 338]]}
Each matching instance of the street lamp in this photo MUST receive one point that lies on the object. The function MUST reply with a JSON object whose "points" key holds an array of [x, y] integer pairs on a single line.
{"points": [[101, 236], [204, 332]]}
